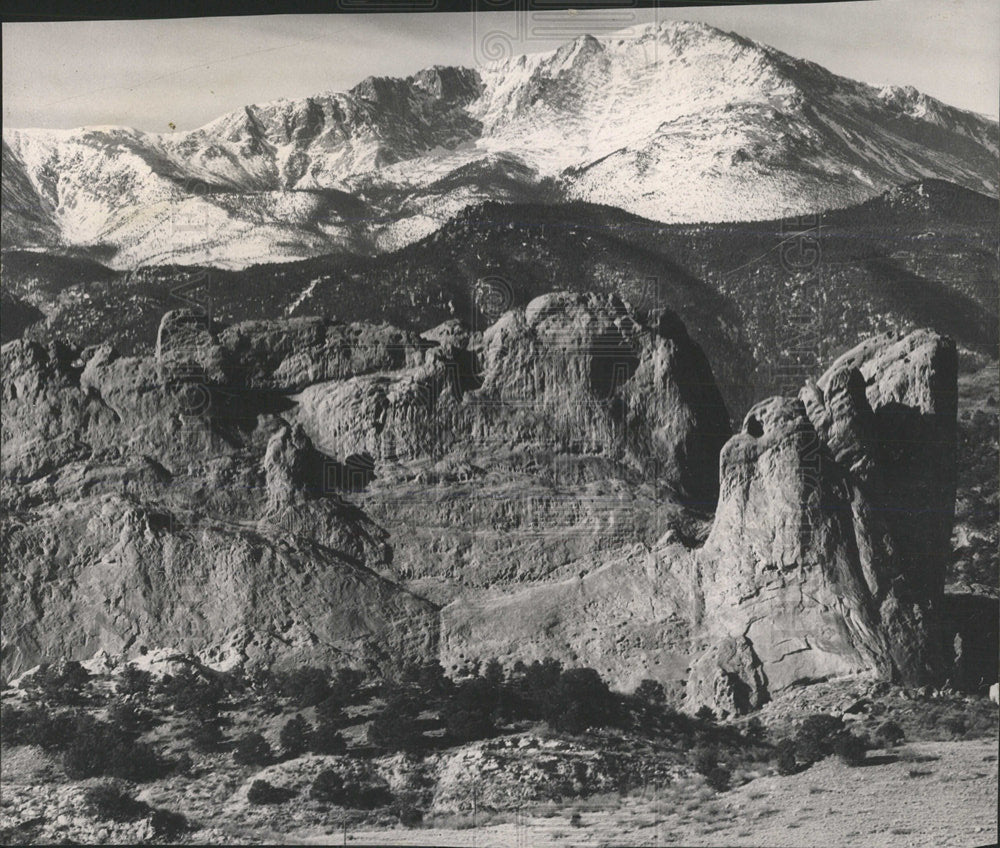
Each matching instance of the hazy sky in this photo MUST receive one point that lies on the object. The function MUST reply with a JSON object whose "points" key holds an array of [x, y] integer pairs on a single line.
{"points": [[148, 74]]}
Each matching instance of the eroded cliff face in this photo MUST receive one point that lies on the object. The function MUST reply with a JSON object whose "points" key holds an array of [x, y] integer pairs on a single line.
{"points": [[569, 426], [821, 559], [147, 505], [307, 491], [220, 495]]}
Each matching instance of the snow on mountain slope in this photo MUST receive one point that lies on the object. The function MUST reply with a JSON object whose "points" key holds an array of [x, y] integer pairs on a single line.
{"points": [[683, 123]]}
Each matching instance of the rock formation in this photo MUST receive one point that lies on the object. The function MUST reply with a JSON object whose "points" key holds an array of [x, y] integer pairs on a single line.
{"points": [[296, 490], [819, 561], [147, 504], [830, 540], [207, 498]]}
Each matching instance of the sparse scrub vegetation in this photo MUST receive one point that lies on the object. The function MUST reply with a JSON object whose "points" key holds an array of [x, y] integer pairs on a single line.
{"points": [[553, 706], [785, 757], [60, 683], [357, 790], [135, 682], [188, 692]]}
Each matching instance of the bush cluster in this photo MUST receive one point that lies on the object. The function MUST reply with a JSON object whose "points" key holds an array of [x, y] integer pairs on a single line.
{"points": [[706, 763], [816, 737], [90, 748], [295, 736], [821, 736], [59, 683], [253, 749], [262, 792], [188, 692], [114, 802], [355, 791]]}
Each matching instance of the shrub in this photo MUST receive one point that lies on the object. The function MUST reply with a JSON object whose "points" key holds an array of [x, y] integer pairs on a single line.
{"points": [[306, 686], [718, 778], [36, 726], [134, 681], [206, 736], [61, 683], [331, 710], [705, 713], [98, 749], [366, 795], [889, 734], [396, 727], [189, 692], [705, 760], [22, 727], [580, 699], [262, 792], [956, 725], [651, 692], [468, 711], [328, 787], [409, 816], [167, 824], [536, 684], [429, 678], [136, 761], [112, 801], [785, 751], [253, 750], [359, 792], [468, 725], [493, 673], [850, 748], [816, 737], [129, 718], [755, 732], [295, 736], [326, 739]]}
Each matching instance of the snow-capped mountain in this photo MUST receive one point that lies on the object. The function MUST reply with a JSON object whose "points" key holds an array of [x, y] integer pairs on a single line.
{"points": [[682, 123]]}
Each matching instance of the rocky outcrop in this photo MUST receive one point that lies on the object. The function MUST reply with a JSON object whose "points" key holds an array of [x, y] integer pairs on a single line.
{"points": [[301, 491], [809, 570], [629, 619], [218, 496], [829, 544], [108, 574], [147, 503], [568, 373]]}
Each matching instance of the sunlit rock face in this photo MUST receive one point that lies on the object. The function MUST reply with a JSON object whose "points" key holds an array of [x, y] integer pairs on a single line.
{"points": [[829, 545]]}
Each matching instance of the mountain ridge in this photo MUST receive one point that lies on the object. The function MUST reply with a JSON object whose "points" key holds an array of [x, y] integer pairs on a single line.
{"points": [[719, 128]]}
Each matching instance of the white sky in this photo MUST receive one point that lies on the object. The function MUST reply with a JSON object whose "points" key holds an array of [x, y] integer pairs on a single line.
{"points": [[147, 74]]}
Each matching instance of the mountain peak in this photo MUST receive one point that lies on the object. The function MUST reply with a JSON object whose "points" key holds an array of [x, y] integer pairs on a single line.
{"points": [[674, 121]]}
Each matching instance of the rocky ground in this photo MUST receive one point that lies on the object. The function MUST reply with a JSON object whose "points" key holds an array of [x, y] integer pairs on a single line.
{"points": [[531, 785], [927, 793]]}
